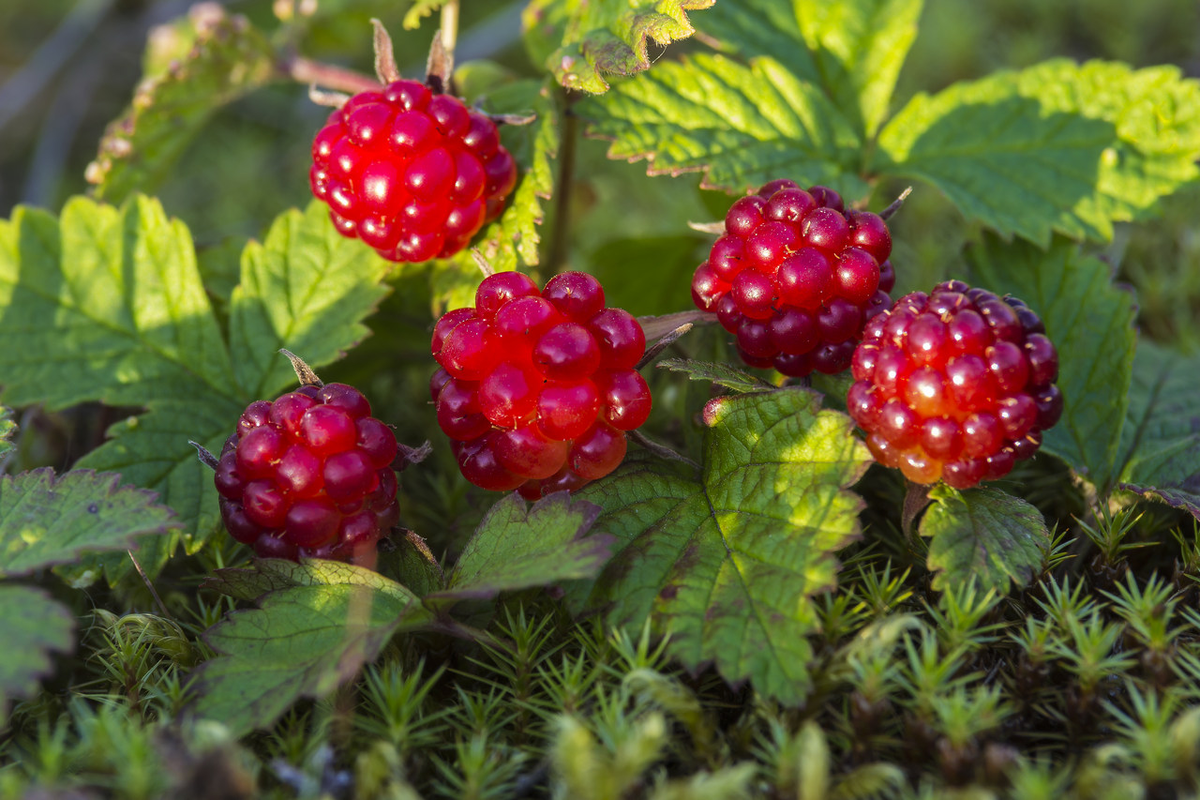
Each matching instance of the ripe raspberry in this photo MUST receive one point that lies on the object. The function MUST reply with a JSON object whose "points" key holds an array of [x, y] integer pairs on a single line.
{"points": [[795, 277], [309, 475], [413, 174], [537, 389], [956, 385]]}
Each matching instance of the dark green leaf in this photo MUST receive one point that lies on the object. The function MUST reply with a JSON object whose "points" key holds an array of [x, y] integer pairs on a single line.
{"points": [[227, 59], [32, 625], [1059, 147], [853, 49], [107, 304], [410, 561], [584, 39], [985, 535], [1090, 322], [741, 125], [517, 546], [47, 519], [305, 288], [728, 564], [720, 374], [304, 641], [1160, 448]]}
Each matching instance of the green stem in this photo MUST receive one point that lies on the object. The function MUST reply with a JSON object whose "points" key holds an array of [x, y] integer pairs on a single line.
{"points": [[557, 256], [450, 27]]}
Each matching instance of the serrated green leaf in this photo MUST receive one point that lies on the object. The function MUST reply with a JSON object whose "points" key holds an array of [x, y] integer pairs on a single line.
{"points": [[1090, 322], [511, 241], [588, 38], [107, 304], [1160, 447], [983, 534], [419, 10], [1058, 147], [741, 125], [47, 519], [720, 374], [853, 49], [228, 59], [304, 641], [518, 546], [32, 625], [305, 288], [728, 563]]}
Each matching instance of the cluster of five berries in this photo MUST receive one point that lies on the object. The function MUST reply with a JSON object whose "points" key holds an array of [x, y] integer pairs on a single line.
{"points": [[536, 389]]}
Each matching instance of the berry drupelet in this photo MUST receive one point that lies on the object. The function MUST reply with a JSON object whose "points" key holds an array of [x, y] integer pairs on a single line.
{"points": [[537, 388], [955, 385], [413, 174], [795, 277], [310, 474]]}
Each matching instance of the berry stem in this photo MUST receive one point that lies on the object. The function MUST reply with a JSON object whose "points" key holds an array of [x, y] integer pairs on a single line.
{"points": [[450, 30], [145, 579], [305, 70]]}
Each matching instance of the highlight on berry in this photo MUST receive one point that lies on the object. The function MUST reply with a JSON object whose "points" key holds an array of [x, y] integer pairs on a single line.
{"points": [[537, 389]]}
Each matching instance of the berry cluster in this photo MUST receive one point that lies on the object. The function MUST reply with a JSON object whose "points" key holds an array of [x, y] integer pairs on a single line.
{"points": [[957, 385], [413, 174], [309, 475], [537, 389], [795, 277]]}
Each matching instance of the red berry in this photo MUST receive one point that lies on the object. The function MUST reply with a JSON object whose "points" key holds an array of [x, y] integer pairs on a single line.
{"points": [[414, 175], [537, 388], [954, 385], [796, 277], [296, 477]]}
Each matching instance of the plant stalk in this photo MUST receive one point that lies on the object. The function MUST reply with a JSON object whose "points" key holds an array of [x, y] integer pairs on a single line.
{"points": [[557, 255]]}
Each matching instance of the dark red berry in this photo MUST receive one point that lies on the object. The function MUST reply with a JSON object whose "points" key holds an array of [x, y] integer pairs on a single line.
{"points": [[796, 277], [539, 388], [955, 385], [414, 175], [303, 465]]}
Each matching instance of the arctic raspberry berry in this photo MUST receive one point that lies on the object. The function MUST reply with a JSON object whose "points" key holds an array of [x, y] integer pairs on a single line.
{"points": [[413, 174], [796, 276], [955, 385], [310, 474], [538, 388]]}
